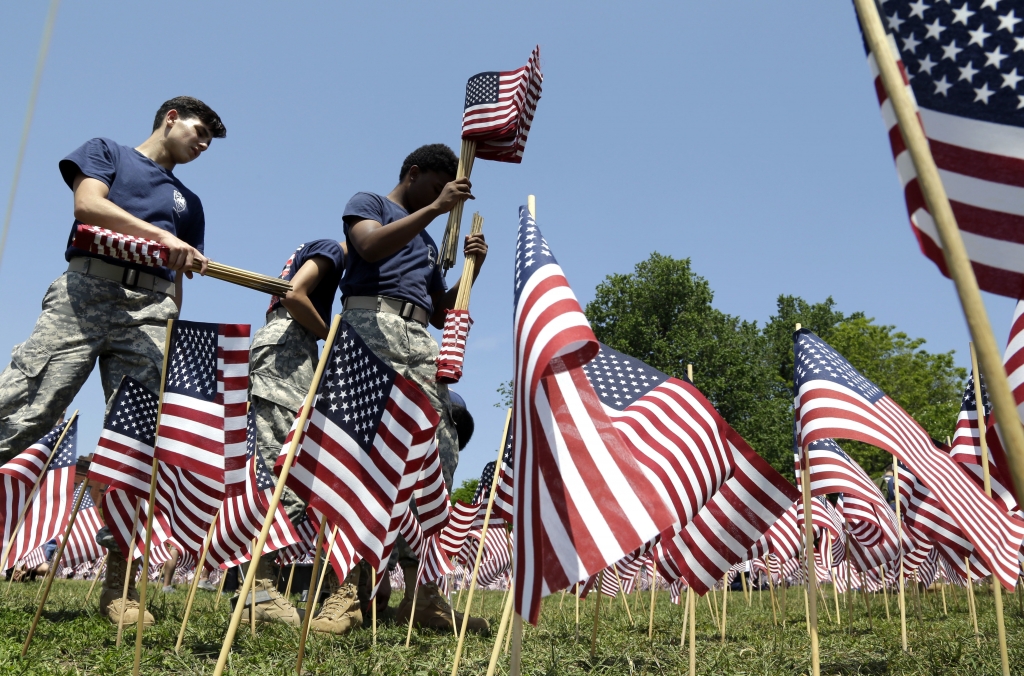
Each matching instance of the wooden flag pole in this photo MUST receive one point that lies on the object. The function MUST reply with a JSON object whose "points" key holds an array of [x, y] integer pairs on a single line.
{"points": [[747, 593], [99, 573], [195, 581], [971, 603], [55, 563], [654, 597], [506, 613], [885, 592], [899, 532], [150, 510], [577, 612], [597, 616], [997, 592], [449, 245], [128, 573], [725, 601], [252, 599], [771, 591], [835, 597], [468, 268], [288, 586], [311, 593], [711, 609], [686, 611], [942, 588], [32, 496], [625, 604], [275, 499], [812, 578], [957, 261], [480, 547], [373, 607], [412, 613], [220, 587], [867, 599], [516, 635], [692, 600]]}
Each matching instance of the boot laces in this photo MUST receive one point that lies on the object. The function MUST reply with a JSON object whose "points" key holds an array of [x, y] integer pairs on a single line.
{"points": [[336, 605]]}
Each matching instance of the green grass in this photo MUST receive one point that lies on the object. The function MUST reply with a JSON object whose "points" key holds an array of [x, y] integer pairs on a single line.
{"points": [[74, 639]]}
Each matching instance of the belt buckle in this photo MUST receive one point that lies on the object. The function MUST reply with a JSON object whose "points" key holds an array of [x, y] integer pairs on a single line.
{"points": [[405, 312], [130, 278]]}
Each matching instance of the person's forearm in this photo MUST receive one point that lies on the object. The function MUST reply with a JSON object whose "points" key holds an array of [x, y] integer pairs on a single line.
{"points": [[103, 213], [301, 309], [378, 243]]}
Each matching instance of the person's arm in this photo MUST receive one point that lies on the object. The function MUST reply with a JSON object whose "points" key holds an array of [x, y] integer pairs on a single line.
{"points": [[297, 302], [444, 301], [374, 241], [93, 207]]}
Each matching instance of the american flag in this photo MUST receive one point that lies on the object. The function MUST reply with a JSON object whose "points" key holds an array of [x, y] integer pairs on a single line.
{"points": [[363, 449], [499, 110], [81, 546], [963, 66], [433, 505], [784, 539], [21, 473], [120, 246], [872, 521], [118, 515], [833, 400], [452, 354], [202, 417], [306, 532], [504, 492], [750, 501], [454, 534], [33, 559], [49, 510], [496, 561], [1013, 361], [124, 454], [966, 450], [483, 486], [241, 517], [581, 501]]}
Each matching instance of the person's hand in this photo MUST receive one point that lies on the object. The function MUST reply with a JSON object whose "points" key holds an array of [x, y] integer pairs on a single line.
{"points": [[475, 246], [181, 256], [454, 193]]}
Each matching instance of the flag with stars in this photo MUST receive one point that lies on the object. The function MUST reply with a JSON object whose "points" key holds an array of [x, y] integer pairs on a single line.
{"points": [[501, 510], [82, 546], [202, 416], [124, 454], [499, 110], [1013, 362], [361, 454], [20, 474], [483, 486], [47, 513], [582, 502], [965, 68], [966, 450], [242, 516], [834, 400]]}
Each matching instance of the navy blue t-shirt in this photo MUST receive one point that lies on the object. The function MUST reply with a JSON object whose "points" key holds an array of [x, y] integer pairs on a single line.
{"points": [[412, 273], [322, 296], [141, 187]]}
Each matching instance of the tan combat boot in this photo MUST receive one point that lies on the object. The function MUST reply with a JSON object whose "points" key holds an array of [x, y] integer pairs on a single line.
{"points": [[113, 587], [340, 611], [271, 606], [433, 610]]}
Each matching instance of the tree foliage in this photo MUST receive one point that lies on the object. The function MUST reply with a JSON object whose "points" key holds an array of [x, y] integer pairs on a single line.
{"points": [[466, 491], [662, 313]]}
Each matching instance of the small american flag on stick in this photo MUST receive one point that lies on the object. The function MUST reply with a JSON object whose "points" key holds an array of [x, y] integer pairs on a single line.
{"points": [[363, 448], [124, 454], [82, 546]]}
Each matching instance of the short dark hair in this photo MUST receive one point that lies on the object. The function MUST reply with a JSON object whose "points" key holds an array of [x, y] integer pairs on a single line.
{"points": [[464, 425], [189, 107], [431, 157]]}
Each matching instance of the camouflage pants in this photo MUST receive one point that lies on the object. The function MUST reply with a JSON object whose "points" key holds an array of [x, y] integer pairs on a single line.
{"points": [[84, 319], [410, 349], [282, 363]]}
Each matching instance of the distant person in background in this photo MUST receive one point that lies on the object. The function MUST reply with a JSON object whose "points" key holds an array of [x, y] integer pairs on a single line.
{"points": [[888, 486], [282, 363]]}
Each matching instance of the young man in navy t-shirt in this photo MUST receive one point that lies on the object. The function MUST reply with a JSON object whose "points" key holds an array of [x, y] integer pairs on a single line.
{"points": [[108, 310], [392, 289], [282, 362]]}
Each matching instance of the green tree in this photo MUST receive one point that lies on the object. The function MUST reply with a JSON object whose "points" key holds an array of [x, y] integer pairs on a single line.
{"points": [[466, 491]]}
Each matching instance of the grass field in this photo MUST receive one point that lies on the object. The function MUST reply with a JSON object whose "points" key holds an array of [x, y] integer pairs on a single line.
{"points": [[74, 639]]}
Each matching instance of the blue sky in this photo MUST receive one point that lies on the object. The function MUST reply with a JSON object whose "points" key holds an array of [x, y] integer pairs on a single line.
{"points": [[745, 136]]}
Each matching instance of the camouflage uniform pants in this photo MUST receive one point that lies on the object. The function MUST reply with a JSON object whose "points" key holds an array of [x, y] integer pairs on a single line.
{"points": [[84, 319], [282, 363], [410, 349]]}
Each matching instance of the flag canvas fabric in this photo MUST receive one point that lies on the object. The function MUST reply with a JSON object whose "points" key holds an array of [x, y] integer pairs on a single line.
{"points": [[966, 449], [1013, 361], [363, 449], [241, 517], [48, 512], [120, 246], [433, 505], [581, 500], [202, 416], [962, 66], [303, 547], [499, 110], [20, 474], [82, 546], [454, 534], [124, 454], [452, 354], [834, 400]]}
